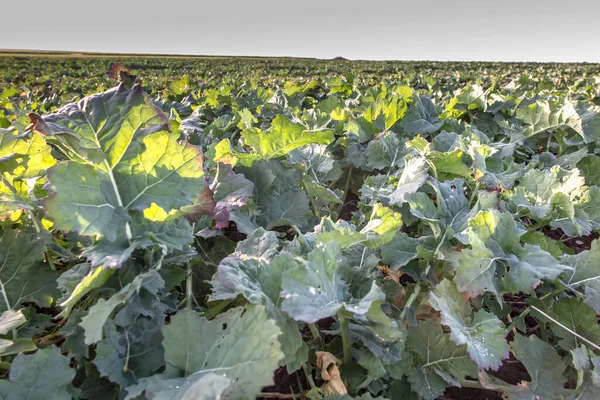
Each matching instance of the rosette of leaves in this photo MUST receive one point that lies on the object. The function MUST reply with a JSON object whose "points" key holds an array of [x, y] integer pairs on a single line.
{"points": [[559, 198], [496, 262]]}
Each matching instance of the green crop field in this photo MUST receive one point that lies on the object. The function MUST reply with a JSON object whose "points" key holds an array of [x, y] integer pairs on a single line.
{"points": [[241, 228]]}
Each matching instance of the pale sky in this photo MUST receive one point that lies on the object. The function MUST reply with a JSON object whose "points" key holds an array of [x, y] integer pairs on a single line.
{"points": [[502, 30]]}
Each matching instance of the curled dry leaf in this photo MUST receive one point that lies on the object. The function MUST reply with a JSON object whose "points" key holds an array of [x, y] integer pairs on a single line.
{"points": [[330, 372]]}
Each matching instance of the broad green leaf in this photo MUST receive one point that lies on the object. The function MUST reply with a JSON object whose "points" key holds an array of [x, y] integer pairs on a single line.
{"points": [[315, 290], [259, 281], [379, 230], [544, 366], [482, 332], [16, 346], [123, 159], [530, 264], [590, 169], [240, 345], [198, 386], [555, 247], [577, 317], [94, 280], [421, 117], [547, 116], [99, 313], [44, 375], [385, 151], [278, 195], [24, 157], [587, 388], [231, 191], [585, 277], [440, 362], [472, 97], [497, 231], [448, 165], [281, 138], [24, 276], [130, 353], [319, 162], [413, 177], [404, 248], [476, 271], [450, 215]]}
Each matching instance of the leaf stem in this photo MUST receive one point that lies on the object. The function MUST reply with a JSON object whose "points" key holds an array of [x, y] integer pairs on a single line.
{"points": [[38, 229], [471, 384], [314, 330], [413, 295], [346, 187], [189, 287], [474, 194], [308, 373], [346, 343], [113, 182]]}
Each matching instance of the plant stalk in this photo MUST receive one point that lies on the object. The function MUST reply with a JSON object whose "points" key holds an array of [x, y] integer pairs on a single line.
{"points": [[189, 287], [346, 343], [414, 295]]}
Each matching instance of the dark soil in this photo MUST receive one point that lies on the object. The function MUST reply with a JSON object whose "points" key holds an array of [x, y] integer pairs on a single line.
{"points": [[578, 244], [350, 205]]}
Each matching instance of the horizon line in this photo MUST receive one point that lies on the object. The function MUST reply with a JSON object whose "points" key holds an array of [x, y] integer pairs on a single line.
{"points": [[76, 53]]}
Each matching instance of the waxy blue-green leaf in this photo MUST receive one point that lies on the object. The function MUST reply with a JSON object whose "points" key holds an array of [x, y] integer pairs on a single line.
{"points": [[421, 117], [259, 280], [240, 345], [24, 276], [278, 194], [11, 319], [576, 317], [544, 116], [544, 365], [44, 375], [315, 289], [198, 386], [482, 332], [99, 313], [385, 151], [585, 276], [440, 362], [413, 177]]}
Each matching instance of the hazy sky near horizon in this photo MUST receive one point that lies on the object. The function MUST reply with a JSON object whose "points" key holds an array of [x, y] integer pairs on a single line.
{"points": [[501, 30]]}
